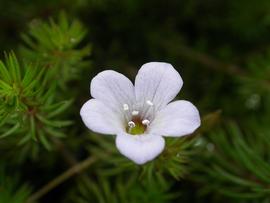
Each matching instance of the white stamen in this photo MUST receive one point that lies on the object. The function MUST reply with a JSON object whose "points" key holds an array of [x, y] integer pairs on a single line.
{"points": [[149, 103], [125, 107], [131, 124], [145, 122], [135, 113]]}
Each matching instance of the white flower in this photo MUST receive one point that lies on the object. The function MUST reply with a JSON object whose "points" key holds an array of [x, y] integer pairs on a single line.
{"points": [[140, 114]]}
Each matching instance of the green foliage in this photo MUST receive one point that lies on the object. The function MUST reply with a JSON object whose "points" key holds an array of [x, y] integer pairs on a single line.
{"points": [[10, 189], [175, 158], [53, 45], [237, 167], [173, 162], [256, 81], [29, 108], [123, 189]]}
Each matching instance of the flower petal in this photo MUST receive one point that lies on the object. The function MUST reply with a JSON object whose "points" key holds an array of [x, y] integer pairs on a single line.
{"points": [[140, 148], [113, 89], [176, 119], [100, 118], [157, 82]]}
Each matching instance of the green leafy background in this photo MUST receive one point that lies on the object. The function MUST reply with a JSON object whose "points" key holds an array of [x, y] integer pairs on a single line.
{"points": [[51, 49]]}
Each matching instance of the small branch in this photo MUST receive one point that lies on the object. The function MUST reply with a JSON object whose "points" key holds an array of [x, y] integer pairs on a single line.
{"points": [[66, 154], [76, 169], [210, 61]]}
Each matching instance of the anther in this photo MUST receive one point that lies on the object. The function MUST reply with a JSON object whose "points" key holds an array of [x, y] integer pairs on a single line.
{"points": [[149, 103], [135, 113], [131, 124], [125, 107], [145, 122]]}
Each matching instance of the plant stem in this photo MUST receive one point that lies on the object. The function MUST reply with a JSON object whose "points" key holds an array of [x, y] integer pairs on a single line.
{"points": [[210, 62], [76, 169], [64, 151], [182, 50]]}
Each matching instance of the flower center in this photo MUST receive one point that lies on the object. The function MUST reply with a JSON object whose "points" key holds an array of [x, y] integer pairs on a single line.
{"points": [[136, 121], [136, 126]]}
